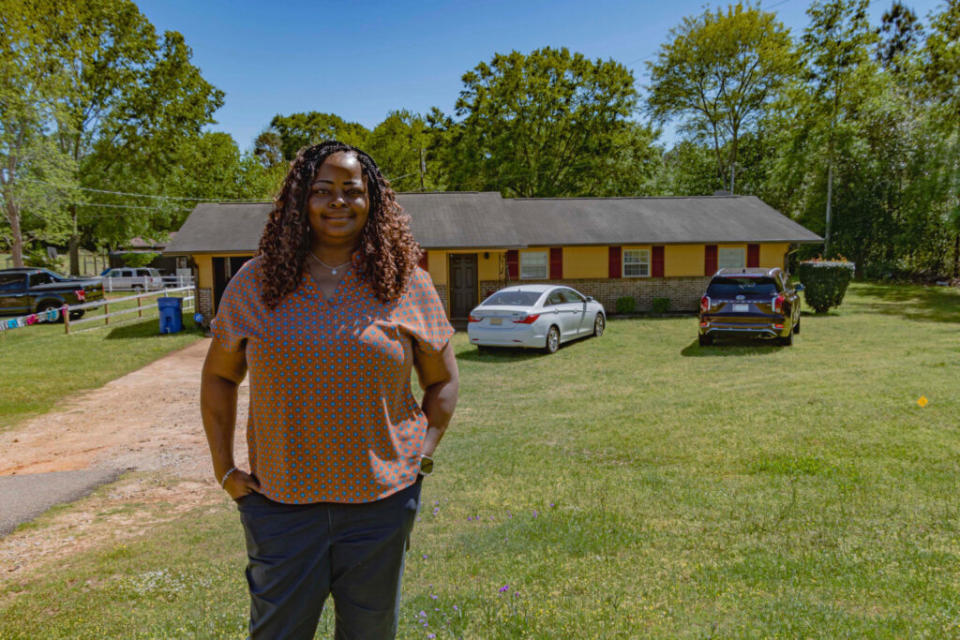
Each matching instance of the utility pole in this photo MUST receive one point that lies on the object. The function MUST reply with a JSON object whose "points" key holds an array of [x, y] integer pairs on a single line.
{"points": [[423, 168]]}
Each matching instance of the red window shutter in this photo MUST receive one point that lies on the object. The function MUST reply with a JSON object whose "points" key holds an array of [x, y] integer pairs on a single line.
{"points": [[753, 255], [513, 264], [424, 262], [615, 271], [556, 263], [709, 259], [657, 266]]}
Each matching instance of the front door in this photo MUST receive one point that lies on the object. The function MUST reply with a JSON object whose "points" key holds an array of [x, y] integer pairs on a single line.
{"points": [[223, 270], [463, 285]]}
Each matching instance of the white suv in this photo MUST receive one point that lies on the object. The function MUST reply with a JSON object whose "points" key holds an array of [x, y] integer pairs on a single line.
{"points": [[138, 279]]}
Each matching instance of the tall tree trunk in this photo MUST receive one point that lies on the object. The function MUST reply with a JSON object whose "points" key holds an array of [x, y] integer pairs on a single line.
{"points": [[956, 255], [826, 241], [74, 245], [16, 240]]}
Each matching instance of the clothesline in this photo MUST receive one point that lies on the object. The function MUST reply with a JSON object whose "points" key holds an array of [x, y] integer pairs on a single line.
{"points": [[50, 315]]}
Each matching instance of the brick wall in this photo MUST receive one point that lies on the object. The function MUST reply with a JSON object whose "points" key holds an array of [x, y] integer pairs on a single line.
{"points": [[204, 298], [684, 292]]}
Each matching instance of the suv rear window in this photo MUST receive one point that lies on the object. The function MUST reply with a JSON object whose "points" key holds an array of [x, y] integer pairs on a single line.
{"points": [[730, 287], [514, 298]]}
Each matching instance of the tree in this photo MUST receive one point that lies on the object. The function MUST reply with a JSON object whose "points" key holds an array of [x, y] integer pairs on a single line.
{"points": [[940, 69], [299, 130], [30, 80], [718, 72], [899, 34], [401, 146], [543, 124], [131, 101], [836, 48]]}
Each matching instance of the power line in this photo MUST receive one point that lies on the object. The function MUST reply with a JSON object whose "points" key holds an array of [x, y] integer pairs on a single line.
{"points": [[123, 206], [127, 193]]}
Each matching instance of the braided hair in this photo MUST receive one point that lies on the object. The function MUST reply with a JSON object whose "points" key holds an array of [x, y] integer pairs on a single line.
{"points": [[387, 254]]}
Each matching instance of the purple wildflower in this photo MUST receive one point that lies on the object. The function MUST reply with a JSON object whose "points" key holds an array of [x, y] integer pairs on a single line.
{"points": [[422, 614], [535, 513], [504, 588], [433, 596], [431, 635], [425, 556], [455, 608]]}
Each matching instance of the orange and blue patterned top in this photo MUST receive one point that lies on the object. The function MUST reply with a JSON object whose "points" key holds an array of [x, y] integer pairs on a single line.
{"points": [[332, 415]]}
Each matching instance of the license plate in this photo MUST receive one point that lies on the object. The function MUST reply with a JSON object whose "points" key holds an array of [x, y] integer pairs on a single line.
{"points": [[741, 308], [495, 321]]}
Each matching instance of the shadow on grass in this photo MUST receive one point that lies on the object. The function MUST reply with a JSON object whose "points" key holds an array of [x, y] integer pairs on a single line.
{"points": [[500, 354], [146, 329], [731, 347], [930, 304]]}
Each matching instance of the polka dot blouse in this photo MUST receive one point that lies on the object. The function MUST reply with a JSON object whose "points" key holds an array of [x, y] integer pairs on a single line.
{"points": [[332, 414]]}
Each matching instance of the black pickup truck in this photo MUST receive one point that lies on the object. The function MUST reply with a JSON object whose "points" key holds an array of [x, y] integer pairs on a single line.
{"points": [[31, 290]]}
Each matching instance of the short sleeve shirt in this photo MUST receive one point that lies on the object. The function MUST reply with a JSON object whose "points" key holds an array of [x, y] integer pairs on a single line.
{"points": [[332, 413]]}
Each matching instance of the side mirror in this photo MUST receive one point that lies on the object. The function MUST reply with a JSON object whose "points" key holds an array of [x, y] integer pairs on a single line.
{"points": [[799, 288], [590, 299]]}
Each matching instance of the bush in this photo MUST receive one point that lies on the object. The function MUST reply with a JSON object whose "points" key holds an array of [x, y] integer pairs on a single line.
{"points": [[626, 304], [825, 282], [661, 305]]}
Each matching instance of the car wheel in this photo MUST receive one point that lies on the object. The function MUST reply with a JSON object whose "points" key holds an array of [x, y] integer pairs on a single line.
{"points": [[705, 341], [43, 307], [553, 340], [796, 327], [138, 288], [599, 324], [788, 341], [482, 349]]}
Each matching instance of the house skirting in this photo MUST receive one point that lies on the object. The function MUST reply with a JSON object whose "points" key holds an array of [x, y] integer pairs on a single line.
{"points": [[684, 293]]}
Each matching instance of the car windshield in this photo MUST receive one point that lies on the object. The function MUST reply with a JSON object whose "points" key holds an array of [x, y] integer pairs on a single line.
{"points": [[513, 299], [730, 287]]}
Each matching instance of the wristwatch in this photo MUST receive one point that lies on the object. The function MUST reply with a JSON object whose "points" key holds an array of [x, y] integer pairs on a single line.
{"points": [[426, 465]]}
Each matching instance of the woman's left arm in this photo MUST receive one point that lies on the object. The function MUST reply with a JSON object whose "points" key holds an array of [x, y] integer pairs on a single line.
{"points": [[440, 380]]}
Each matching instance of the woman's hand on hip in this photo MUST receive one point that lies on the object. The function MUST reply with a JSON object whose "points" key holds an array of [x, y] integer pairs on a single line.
{"points": [[241, 483]]}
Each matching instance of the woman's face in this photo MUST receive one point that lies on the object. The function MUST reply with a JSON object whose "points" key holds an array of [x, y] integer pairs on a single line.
{"points": [[339, 204]]}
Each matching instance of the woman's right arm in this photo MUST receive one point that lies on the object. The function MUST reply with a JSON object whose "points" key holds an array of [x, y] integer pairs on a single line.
{"points": [[223, 371]]}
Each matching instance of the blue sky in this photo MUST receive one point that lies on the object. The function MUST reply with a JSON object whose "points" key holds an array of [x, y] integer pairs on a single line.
{"points": [[361, 60]]}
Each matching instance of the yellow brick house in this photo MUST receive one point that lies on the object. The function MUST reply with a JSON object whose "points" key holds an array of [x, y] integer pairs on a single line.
{"points": [[478, 242]]}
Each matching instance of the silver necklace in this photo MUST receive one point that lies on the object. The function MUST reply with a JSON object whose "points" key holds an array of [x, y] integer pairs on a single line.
{"points": [[333, 270]]}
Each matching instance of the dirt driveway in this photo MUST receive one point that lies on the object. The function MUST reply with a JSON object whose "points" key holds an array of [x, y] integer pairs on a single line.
{"points": [[146, 423]]}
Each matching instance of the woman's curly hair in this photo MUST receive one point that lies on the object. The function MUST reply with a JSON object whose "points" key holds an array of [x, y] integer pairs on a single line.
{"points": [[387, 253]]}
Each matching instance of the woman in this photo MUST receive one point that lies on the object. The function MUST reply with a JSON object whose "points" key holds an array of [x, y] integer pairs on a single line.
{"points": [[330, 319]]}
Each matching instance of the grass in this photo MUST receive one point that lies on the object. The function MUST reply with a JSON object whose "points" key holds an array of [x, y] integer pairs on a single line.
{"points": [[41, 365], [630, 487]]}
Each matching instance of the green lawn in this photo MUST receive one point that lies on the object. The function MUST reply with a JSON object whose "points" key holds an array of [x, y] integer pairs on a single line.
{"points": [[39, 365], [634, 486]]}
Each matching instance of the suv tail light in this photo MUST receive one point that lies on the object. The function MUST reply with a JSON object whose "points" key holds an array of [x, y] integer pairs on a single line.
{"points": [[81, 295], [704, 304], [530, 319], [778, 303], [473, 319]]}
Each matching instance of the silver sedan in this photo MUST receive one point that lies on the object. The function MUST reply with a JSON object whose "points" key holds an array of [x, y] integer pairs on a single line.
{"points": [[538, 316]]}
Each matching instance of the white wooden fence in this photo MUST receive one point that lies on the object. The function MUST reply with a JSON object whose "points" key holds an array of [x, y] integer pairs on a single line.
{"points": [[107, 314]]}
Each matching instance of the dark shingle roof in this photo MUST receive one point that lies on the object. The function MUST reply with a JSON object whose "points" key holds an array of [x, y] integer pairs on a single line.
{"points": [[471, 220]]}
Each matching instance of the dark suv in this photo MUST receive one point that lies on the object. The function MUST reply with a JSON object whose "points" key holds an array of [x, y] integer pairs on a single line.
{"points": [[750, 302]]}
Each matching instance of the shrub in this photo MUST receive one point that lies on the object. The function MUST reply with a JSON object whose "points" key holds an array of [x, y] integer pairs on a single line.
{"points": [[661, 305], [825, 282], [626, 304]]}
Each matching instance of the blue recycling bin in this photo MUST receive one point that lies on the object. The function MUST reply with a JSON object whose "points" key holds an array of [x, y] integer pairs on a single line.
{"points": [[171, 314]]}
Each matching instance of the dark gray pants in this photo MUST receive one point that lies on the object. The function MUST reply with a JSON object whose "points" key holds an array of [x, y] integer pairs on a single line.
{"points": [[300, 554]]}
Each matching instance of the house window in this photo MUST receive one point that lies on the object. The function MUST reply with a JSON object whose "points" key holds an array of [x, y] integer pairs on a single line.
{"points": [[533, 265], [731, 258], [636, 263]]}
